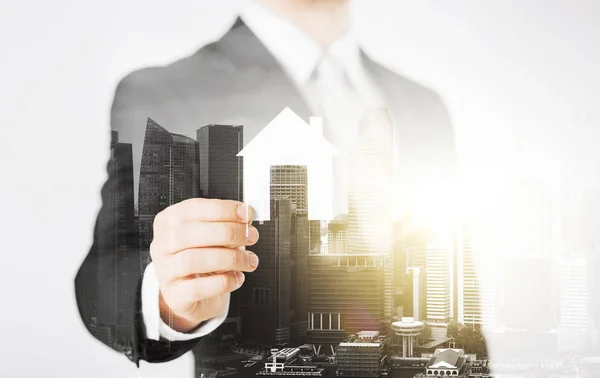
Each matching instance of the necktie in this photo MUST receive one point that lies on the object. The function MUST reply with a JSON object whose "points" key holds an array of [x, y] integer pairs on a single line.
{"points": [[341, 106]]}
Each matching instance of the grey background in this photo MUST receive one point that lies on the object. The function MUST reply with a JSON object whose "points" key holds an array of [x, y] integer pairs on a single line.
{"points": [[520, 79]]}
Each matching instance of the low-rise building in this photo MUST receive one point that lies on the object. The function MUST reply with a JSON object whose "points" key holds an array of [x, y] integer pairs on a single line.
{"points": [[446, 362], [361, 355]]}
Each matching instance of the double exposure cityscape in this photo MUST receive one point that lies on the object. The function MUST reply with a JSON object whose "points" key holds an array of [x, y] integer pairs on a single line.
{"points": [[363, 294]]}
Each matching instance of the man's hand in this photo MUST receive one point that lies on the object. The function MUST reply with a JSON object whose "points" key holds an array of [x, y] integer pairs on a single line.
{"points": [[199, 255]]}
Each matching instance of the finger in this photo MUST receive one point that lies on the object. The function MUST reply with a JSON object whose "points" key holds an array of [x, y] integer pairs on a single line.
{"points": [[204, 210], [205, 286], [205, 260], [204, 234]]}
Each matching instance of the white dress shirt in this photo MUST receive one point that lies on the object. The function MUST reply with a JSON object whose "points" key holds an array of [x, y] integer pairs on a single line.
{"points": [[332, 81], [334, 84]]}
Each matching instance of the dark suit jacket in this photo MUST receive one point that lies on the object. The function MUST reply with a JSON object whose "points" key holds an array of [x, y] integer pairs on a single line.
{"points": [[232, 81]]}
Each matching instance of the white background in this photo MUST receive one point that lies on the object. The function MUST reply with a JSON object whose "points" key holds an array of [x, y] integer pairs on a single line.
{"points": [[520, 78]]}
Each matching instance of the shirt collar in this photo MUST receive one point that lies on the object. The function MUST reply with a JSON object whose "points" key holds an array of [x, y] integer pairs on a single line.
{"points": [[298, 54]]}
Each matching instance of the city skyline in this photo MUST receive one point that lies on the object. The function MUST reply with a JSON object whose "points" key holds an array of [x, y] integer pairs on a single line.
{"points": [[441, 282], [340, 239]]}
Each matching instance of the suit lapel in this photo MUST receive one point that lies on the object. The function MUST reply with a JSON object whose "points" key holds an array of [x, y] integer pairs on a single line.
{"points": [[269, 88], [262, 84]]}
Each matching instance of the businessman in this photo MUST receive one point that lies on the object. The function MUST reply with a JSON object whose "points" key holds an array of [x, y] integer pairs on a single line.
{"points": [[300, 54]]}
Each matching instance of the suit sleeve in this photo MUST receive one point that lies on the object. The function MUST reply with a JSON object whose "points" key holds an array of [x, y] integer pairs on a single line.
{"points": [[108, 283]]}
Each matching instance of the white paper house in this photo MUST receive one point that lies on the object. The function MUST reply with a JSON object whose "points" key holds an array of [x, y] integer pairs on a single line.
{"points": [[289, 140]]}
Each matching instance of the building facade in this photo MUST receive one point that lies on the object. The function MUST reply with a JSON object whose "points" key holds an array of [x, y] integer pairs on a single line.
{"points": [[168, 175], [347, 294], [469, 299], [265, 296], [221, 176], [221, 170], [291, 182], [116, 235], [361, 355]]}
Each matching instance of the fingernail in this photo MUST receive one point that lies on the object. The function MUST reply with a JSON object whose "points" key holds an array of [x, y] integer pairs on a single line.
{"points": [[243, 213], [239, 277], [252, 260], [251, 235]]}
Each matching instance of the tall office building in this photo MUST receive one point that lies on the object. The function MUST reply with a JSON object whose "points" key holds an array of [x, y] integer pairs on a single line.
{"points": [[469, 299], [347, 294], [265, 299], [116, 236], [370, 190], [221, 170], [315, 227], [410, 263], [337, 236], [489, 306], [370, 218], [168, 175], [439, 283], [291, 182], [299, 250], [221, 176], [416, 294]]}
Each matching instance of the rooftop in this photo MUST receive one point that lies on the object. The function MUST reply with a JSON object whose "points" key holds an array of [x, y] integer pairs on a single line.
{"points": [[447, 358]]}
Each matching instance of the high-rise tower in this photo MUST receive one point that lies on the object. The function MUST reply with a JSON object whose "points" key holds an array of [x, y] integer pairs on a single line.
{"points": [[469, 289], [168, 175], [221, 170], [221, 177], [116, 236], [265, 299], [370, 218], [291, 182]]}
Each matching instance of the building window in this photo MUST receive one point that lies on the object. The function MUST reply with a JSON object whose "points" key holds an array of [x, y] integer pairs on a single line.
{"points": [[324, 321], [261, 296]]}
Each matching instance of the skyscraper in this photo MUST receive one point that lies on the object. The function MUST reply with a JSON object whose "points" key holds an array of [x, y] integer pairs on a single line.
{"points": [[439, 290], [410, 262], [469, 295], [315, 236], [416, 305], [337, 236], [350, 283], [291, 182], [221, 170], [116, 236], [299, 250], [370, 220], [265, 299], [370, 192], [168, 175], [221, 176]]}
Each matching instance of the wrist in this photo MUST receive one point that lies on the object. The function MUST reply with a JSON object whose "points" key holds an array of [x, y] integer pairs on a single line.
{"points": [[174, 321]]}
